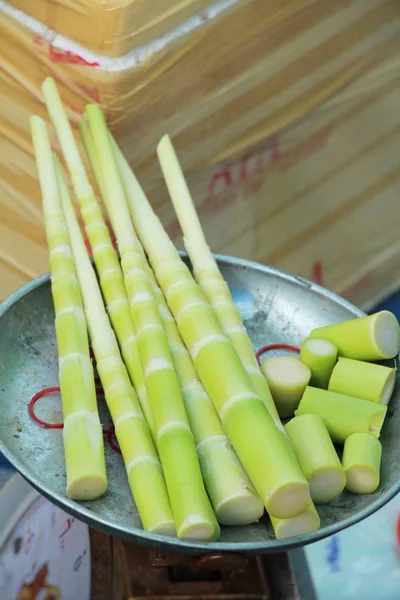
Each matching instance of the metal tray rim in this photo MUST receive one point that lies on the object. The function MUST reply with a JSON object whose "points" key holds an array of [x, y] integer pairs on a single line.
{"points": [[157, 541]]}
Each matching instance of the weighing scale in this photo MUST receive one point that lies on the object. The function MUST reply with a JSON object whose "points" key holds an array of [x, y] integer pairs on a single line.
{"points": [[247, 562]]}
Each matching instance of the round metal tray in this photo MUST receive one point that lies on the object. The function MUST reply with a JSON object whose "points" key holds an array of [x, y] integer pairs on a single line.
{"points": [[275, 306]]}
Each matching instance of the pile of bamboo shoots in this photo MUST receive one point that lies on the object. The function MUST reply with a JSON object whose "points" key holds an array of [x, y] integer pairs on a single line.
{"points": [[197, 420]]}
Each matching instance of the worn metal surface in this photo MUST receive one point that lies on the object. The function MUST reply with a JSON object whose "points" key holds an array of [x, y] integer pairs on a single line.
{"points": [[276, 307]]}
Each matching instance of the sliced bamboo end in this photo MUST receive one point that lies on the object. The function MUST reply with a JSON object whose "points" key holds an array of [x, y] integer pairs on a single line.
{"points": [[242, 509], [197, 529], [302, 524], [385, 334], [327, 484], [166, 528], [87, 487], [320, 347], [361, 480], [288, 500], [287, 378]]}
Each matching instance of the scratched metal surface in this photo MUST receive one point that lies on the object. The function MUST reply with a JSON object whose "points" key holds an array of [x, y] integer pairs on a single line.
{"points": [[276, 307]]}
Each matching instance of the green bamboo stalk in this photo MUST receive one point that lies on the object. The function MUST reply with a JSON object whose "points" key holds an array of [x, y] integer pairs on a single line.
{"points": [[191, 506], [92, 154], [232, 495], [143, 467], [104, 254], [262, 449], [82, 434], [207, 272]]}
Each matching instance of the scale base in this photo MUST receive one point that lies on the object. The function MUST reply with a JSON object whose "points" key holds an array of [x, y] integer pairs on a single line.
{"points": [[124, 571]]}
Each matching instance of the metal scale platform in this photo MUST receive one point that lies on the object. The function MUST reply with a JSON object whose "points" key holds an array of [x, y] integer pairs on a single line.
{"points": [[276, 308]]}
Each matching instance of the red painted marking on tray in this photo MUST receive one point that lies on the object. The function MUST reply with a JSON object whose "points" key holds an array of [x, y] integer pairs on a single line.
{"points": [[110, 440], [31, 411], [70, 58], [109, 433], [270, 347]]}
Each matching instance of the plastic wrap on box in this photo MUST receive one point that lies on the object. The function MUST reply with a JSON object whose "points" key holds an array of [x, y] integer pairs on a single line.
{"points": [[111, 27], [319, 199], [240, 76], [294, 160]]}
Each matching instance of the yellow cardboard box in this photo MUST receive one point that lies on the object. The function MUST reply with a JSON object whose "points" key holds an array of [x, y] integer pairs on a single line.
{"points": [[292, 156], [111, 27]]}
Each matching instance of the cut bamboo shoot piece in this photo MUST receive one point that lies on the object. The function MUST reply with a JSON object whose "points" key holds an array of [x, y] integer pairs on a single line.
{"points": [[287, 379], [142, 464], [306, 522], [343, 415], [263, 451], [320, 356], [375, 337], [82, 434], [363, 380], [317, 457], [361, 461]]}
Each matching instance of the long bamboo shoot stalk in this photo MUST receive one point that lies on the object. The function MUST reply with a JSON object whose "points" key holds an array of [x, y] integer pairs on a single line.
{"points": [[262, 449], [320, 356], [207, 272], [375, 337], [363, 380], [361, 460], [233, 497], [317, 457], [91, 153], [343, 415], [104, 254], [306, 522], [82, 434], [287, 379], [191, 506], [142, 464]]}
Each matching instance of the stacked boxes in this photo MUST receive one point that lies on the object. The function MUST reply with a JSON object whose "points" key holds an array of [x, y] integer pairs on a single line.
{"points": [[283, 113]]}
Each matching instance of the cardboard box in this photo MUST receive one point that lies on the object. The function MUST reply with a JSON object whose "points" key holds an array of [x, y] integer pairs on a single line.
{"points": [[232, 82], [111, 27], [292, 158]]}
